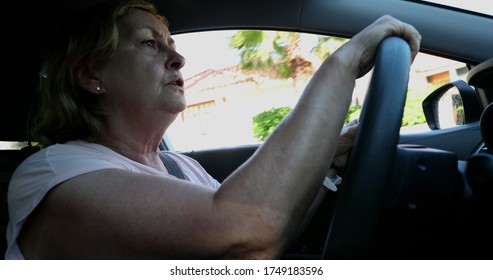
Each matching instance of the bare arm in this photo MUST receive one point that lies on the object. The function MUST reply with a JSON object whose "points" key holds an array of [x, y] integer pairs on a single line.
{"points": [[255, 213]]}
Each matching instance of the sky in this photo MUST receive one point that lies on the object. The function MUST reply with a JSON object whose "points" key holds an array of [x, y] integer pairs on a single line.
{"points": [[482, 6], [205, 50]]}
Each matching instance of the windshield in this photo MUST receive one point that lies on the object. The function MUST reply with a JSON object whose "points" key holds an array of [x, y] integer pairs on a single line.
{"points": [[479, 6]]}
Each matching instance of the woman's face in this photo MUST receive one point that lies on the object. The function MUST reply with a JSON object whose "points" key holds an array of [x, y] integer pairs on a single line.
{"points": [[144, 75]]}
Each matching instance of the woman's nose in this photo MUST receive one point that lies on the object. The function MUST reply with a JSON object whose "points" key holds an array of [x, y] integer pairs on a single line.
{"points": [[176, 61]]}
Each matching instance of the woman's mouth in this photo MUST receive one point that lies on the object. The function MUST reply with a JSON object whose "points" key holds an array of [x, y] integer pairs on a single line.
{"points": [[178, 82]]}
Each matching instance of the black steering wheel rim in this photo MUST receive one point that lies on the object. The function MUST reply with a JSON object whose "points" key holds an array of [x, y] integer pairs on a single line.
{"points": [[362, 194]]}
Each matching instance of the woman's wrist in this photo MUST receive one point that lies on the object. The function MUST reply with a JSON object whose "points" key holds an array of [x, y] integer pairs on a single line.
{"points": [[332, 173]]}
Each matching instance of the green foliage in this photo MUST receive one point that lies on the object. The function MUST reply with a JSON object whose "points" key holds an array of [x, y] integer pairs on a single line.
{"points": [[459, 107], [275, 52], [256, 51], [265, 122], [413, 110], [353, 113], [327, 45]]}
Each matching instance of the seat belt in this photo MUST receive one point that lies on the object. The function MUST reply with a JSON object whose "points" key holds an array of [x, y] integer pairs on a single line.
{"points": [[171, 165]]}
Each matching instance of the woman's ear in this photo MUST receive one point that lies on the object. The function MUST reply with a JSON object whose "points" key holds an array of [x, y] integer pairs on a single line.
{"points": [[87, 80]]}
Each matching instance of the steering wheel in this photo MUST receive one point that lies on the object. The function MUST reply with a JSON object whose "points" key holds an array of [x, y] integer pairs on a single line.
{"points": [[362, 194]]}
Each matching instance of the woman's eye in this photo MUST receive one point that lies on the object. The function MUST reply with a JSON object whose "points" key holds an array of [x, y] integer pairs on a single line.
{"points": [[150, 43]]}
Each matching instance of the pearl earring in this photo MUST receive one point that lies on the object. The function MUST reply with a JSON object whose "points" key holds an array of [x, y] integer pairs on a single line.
{"points": [[98, 88]]}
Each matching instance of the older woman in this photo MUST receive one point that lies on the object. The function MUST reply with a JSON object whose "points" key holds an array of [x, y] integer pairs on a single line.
{"points": [[110, 87]]}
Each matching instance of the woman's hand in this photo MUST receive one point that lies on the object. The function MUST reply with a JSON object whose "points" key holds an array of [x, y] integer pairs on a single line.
{"points": [[346, 141], [363, 47]]}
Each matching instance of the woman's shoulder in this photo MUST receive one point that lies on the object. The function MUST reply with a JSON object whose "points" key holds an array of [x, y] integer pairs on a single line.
{"points": [[73, 156], [78, 146], [66, 150]]}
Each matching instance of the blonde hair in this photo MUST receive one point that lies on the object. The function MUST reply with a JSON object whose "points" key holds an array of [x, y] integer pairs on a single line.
{"points": [[66, 111]]}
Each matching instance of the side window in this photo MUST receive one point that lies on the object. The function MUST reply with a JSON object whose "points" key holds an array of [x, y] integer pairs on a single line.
{"points": [[241, 83], [9, 145], [427, 73]]}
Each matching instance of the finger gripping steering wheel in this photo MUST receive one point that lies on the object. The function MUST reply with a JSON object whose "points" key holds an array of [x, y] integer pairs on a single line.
{"points": [[361, 196]]}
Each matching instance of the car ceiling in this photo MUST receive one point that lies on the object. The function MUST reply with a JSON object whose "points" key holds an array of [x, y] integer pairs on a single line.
{"points": [[445, 32]]}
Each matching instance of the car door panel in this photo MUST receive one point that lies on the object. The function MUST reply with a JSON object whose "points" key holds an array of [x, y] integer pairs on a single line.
{"points": [[221, 162], [462, 140]]}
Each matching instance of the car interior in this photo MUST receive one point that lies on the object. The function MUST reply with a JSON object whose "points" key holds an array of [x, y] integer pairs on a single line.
{"points": [[422, 195]]}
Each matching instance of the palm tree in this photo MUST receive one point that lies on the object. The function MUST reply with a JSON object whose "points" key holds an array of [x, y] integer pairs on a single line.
{"points": [[274, 53], [327, 45], [278, 53]]}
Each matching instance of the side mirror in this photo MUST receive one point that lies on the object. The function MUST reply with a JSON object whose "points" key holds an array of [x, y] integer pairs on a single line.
{"points": [[452, 104]]}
